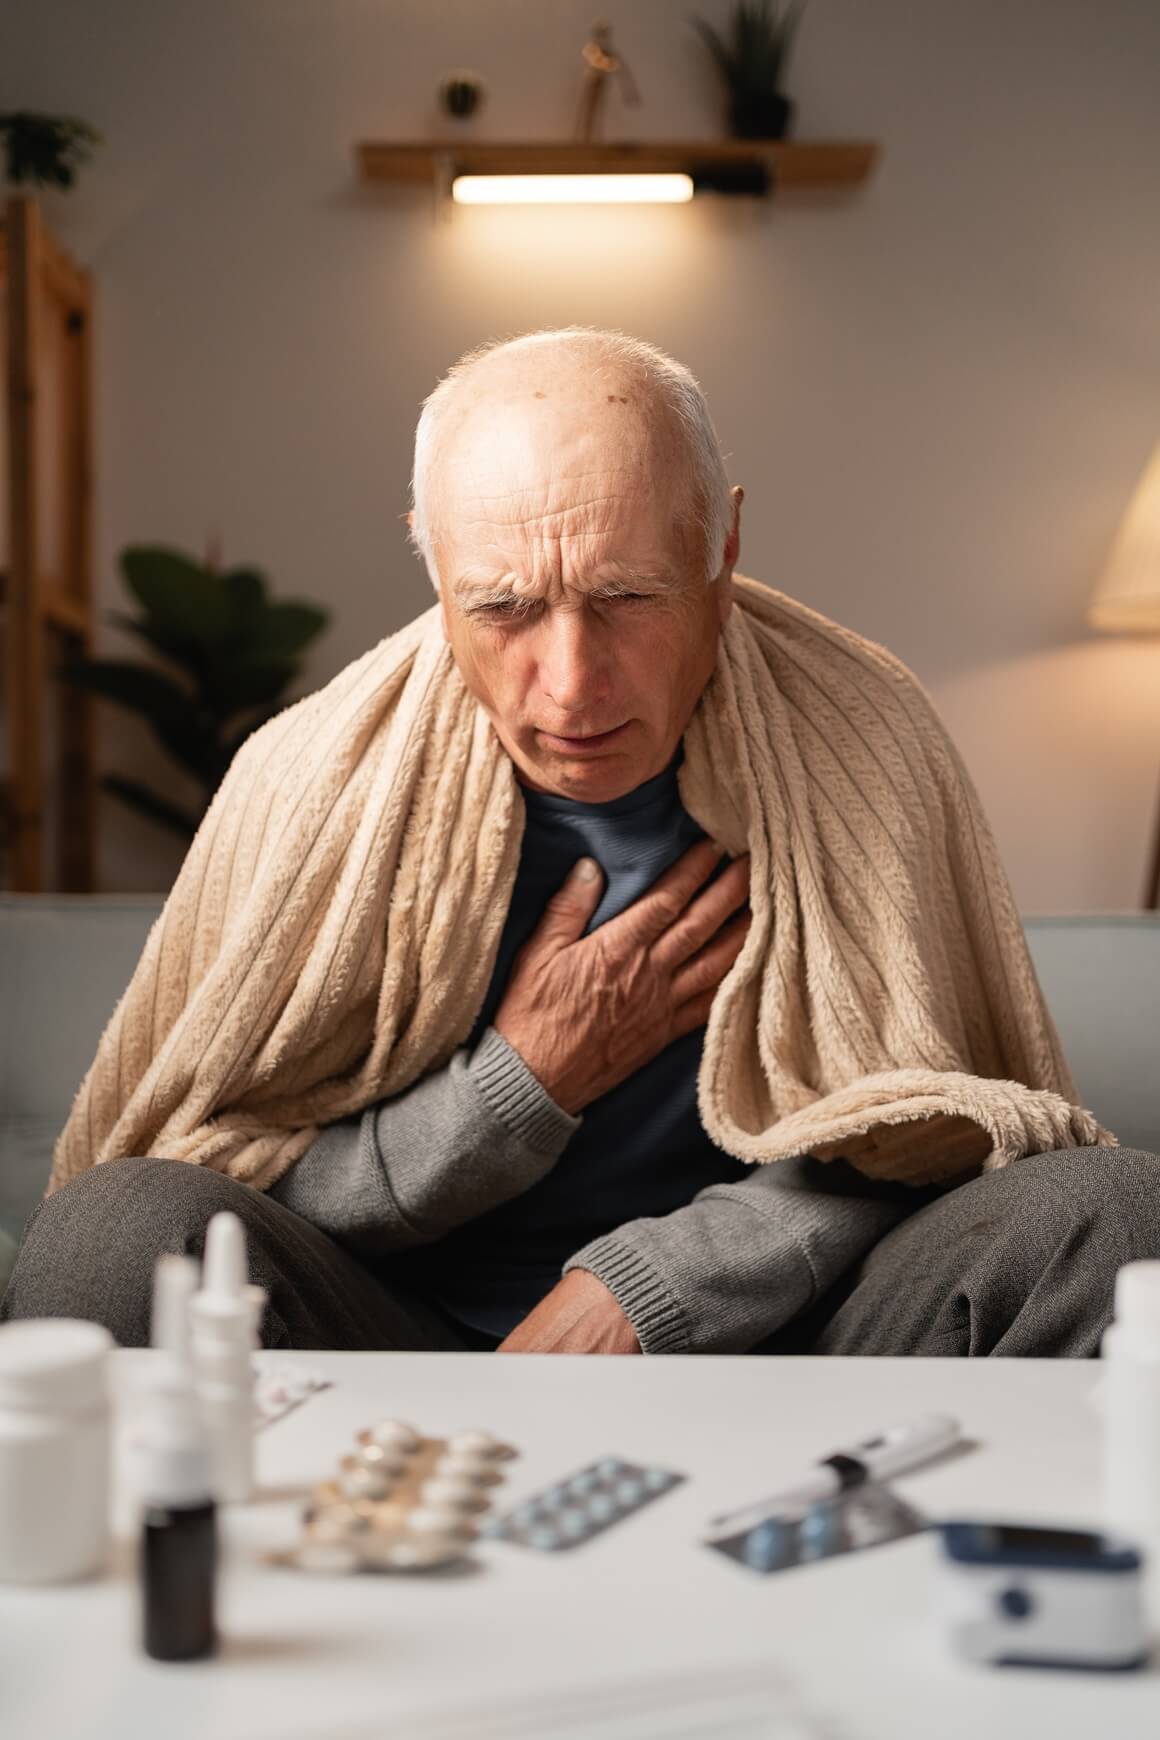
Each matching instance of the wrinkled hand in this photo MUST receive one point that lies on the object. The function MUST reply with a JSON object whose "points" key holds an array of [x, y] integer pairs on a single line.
{"points": [[579, 1315], [586, 1012]]}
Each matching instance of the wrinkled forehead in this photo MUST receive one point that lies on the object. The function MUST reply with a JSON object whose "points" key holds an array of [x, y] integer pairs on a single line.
{"points": [[517, 436]]}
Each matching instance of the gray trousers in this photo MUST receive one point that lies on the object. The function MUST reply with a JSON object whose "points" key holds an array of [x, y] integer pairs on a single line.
{"points": [[1020, 1262]]}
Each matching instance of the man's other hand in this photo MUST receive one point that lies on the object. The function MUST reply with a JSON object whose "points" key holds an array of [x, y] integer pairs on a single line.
{"points": [[579, 1315]]}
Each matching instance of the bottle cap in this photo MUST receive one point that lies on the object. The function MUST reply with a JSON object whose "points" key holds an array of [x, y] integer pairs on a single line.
{"points": [[1137, 1299], [174, 1282], [58, 1362]]}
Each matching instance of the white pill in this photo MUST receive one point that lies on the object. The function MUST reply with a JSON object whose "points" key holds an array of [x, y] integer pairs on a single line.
{"points": [[382, 1456], [447, 1494], [476, 1443], [422, 1554], [467, 1468], [362, 1481], [395, 1432], [428, 1519]]}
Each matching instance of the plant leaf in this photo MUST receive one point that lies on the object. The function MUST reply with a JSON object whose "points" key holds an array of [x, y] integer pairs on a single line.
{"points": [[288, 627], [186, 600], [139, 797], [138, 687]]}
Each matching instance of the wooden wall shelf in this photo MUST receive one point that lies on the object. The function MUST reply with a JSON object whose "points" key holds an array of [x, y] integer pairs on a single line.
{"points": [[810, 163]]}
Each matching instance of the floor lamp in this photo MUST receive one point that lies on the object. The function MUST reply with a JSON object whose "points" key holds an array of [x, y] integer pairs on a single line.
{"points": [[1127, 600]]}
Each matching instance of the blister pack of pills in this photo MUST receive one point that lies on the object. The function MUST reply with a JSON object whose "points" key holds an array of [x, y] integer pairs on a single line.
{"points": [[583, 1505], [400, 1501], [865, 1516]]}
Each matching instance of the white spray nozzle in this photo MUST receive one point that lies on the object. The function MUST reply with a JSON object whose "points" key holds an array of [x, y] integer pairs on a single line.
{"points": [[174, 1281], [225, 1274]]}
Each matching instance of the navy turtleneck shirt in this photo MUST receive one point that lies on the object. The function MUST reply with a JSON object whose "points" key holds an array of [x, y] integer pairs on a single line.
{"points": [[640, 1149]]}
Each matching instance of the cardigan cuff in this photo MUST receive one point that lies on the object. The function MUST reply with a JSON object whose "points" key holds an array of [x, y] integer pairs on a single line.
{"points": [[653, 1311], [517, 1097]]}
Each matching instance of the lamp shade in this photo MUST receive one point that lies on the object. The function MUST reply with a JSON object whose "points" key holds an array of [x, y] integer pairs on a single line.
{"points": [[1127, 599]]}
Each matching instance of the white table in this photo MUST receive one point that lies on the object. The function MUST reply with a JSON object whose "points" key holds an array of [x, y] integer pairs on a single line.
{"points": [[327, 1658]]}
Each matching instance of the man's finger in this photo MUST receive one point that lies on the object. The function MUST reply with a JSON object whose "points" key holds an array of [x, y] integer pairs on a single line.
{"points": [[568, 911], [651, 915], [706, 969], [704, 916]]}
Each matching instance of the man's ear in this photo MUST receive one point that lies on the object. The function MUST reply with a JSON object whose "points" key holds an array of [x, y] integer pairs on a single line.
{"points": [[732, 551]]}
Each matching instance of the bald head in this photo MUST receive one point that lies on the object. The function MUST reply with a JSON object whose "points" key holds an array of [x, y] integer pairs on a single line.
{"points": [[511, 412]]}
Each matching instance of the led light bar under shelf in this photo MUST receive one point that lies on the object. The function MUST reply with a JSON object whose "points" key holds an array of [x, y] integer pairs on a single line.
{"points": [[616, 189]]}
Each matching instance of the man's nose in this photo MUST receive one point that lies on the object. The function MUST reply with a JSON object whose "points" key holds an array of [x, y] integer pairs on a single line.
{"points": [[573, 664]]}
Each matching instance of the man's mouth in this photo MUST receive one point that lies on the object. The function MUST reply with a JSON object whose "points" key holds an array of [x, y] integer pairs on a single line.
{"points": [[587, 744]]}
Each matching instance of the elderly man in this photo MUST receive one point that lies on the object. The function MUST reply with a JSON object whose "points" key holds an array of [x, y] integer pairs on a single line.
{"points": [[552, 1188]]}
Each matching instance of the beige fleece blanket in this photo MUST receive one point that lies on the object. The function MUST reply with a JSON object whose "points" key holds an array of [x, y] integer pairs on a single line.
{"points": [[332, 932]]}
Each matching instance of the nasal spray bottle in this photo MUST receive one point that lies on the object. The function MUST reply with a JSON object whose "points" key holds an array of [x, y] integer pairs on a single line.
{"points": [[1130, 1357], [178, 1545], [224, 1317]]}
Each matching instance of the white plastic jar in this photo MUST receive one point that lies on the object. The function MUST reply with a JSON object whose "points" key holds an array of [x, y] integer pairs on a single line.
{"points": [[54, 1449]]}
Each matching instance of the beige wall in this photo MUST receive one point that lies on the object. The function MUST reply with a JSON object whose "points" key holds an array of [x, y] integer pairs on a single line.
{"points": [[938, 394]]}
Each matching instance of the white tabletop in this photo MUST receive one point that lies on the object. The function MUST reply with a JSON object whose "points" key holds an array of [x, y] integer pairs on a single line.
{"points": [[849, 1643]]}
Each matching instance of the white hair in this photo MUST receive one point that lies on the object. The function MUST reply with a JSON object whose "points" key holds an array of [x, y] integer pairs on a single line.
{"points": [[704, 504]]}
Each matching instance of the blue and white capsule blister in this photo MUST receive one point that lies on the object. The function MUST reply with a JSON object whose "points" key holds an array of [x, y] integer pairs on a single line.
{"points": [[584, 1505]]}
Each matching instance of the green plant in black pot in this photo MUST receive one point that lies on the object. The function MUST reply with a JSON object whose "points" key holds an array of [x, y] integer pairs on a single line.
{"points": [[751, 60], [45, 147], [234, 649]]}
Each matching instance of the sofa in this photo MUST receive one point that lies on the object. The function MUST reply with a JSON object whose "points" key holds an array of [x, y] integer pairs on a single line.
{"points": [[65, 960]]}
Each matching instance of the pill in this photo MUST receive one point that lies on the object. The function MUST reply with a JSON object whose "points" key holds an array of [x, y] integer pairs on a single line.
{"points": [[383, 1456], [476, 1443], [543, 1536], [396, 1432], [445, 1493], [468, 1468], [629, 1492], [357, 1480], [609, 1467], [601, 1508], [573, 1524], [657, 1479], [525, 1515], [425, 1519], [819, 1531], [584, 1482], [422, 1554], [766, 1545]]}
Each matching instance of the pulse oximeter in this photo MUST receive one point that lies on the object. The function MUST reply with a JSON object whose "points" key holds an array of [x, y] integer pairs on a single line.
{"points": [[1018, 1595]]}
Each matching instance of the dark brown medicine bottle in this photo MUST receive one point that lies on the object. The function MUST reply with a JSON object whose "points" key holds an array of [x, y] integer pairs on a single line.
{"points": [[178, 1574], [178, 1544]]}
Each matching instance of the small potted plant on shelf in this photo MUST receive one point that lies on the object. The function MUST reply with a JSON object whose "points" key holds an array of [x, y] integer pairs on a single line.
{"points": [[45, 148], [234, 649], [751, 59]]}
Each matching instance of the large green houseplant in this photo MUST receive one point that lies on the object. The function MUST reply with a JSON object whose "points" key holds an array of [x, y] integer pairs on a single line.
{"points": [[231, 652], [751, 59]]}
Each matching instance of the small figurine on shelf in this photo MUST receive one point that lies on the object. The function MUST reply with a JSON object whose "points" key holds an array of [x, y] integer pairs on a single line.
{"points": [[603, 65]]}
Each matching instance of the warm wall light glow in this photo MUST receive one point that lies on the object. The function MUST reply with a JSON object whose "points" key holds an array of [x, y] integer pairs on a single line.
{"points": [[1127, 599], [572, 189]]}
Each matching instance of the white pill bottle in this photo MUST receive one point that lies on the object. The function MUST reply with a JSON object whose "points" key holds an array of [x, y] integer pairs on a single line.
{"points": [[54, 1449], [1130, 1401]]}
